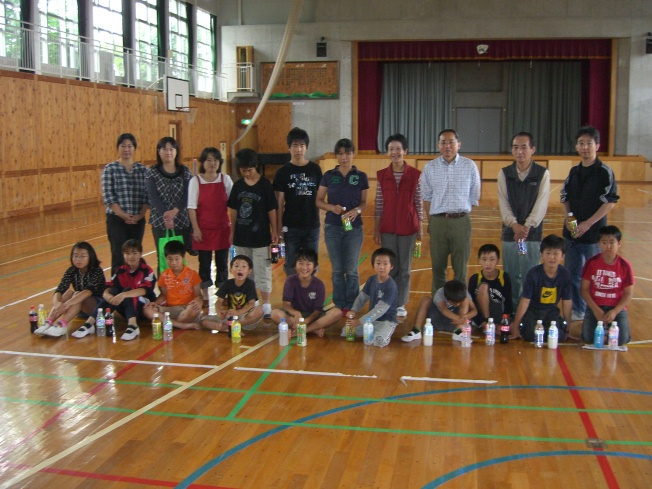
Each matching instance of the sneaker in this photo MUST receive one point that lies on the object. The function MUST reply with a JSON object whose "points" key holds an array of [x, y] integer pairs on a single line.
{"points": [[55, 331], [401, 312], [414, 334], [576, 316], [41, 331], [459, 337], [85, 330], [267, 311], [131, 334]]}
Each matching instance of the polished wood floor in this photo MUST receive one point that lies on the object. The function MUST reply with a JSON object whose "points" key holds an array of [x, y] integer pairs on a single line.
{"points": [[201, 412]]}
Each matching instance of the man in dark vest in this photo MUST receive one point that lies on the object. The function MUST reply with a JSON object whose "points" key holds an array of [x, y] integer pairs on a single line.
{"points": [[523, 192]]}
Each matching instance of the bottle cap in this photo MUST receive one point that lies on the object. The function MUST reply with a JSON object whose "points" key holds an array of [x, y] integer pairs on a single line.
{"points": [[156, 314], [301, 320]]}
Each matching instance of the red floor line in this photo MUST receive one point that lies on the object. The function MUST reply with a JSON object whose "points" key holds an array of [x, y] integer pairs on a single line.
{"points": [[53, 419], [607, 471]]}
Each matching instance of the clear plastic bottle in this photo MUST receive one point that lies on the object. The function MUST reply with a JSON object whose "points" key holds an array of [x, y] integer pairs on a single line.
{"points": [[302, 337], [368, 332], [42, 315], [490, 332], [168, 329], [539, 333], [572, 224], [417, 249], [346, 222], [232, 253], [553, 335], [466, 334], [157, 327], [522, 247], [100, 325], [350, 330], [281, 249], [428, 333], [283, 333], [598, 335], [236, 330], [614, 332]]}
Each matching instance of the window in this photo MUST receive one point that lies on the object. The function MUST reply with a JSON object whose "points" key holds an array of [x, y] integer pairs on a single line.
{"points": [[10, 28], [205, 51], [59, 37], [179, 44], [107, 33], [147, 39]]}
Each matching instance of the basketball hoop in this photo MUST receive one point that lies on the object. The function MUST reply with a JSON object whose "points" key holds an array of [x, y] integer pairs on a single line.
{"points": [[191, 113]]}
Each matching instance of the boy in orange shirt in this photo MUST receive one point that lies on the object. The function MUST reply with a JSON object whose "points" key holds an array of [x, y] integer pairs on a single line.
{"points": [[180, 290]]}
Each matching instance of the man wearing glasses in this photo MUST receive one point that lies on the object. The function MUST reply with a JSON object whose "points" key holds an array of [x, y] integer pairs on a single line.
{"points": [[450, 187], [589, 192]]}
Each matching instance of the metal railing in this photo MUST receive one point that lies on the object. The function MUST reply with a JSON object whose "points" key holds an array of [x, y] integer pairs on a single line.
{"points": [[42, 50]]}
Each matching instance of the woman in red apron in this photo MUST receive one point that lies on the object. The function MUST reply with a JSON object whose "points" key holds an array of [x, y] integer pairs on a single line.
{"points": [[211, 228]]}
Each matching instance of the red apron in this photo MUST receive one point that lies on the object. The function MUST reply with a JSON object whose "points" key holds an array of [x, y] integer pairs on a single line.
{"points": [[212, 217]]}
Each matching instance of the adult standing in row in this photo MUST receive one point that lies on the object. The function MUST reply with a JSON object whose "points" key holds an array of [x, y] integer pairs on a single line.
{"points": [[295, 184], [398, 214], [208, 193], [167, 190], [589, 192], [346, 189], [125, 198], [523, 193], [451, 187]]}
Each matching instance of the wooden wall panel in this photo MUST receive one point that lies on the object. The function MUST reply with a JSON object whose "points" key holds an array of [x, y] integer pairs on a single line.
{"points": [[55, 137], [21, 193], [273, 126], [55, 189], [19, 123]]}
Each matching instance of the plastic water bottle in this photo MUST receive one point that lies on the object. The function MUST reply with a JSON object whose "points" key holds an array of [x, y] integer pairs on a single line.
{"points": [[168, 334], [33, 319], [490, 332], [236, 330], [281, 249], [553, 335], [346, 222], [598, 335], [539, 333], [417, 249], [368, 332], [350, 330], [428, 333], [100, 325], [466, 334], [232, 253], [522, 247], [157, 327], [108, 322], [504, 330], [614, 332], [283, 333], [572, 224], [42, 315], [302, 337]]}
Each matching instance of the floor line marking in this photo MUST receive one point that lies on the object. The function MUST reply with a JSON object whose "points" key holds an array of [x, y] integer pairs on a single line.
{"points": [[304, 372], [96, 436], [441, 379]]}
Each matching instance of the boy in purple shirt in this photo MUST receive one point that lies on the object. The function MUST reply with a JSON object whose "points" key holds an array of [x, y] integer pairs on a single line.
{"points": [[303, 296]]}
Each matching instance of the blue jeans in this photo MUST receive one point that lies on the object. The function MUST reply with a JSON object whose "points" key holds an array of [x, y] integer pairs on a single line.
{"points": [[344, 252], [576, 256], [517, 265], [590, 323], [296, 238]]}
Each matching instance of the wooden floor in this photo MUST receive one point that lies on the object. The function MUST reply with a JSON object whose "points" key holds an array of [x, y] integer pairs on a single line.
{"points": [[201, 412]]}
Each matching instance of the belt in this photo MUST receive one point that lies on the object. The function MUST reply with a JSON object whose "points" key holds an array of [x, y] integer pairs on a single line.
{"points": [[451, 215]]}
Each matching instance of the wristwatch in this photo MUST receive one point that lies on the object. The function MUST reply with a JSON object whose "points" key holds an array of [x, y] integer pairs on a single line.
{"points": [[358, 210]]}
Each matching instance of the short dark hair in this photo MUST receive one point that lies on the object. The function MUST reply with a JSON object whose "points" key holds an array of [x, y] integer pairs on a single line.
{"points": [[346, 145], [610, 230], [489, 248], [174, 248], [307, 254], [525, 135], [448, 130], [126, 136], [161, 144], [246, 158], [589, 131], [399, 138], [383, 252], [93, 261], [455, 291], [243, 258], [553, 242], [215, 153], [297, 135], [132, 244]]}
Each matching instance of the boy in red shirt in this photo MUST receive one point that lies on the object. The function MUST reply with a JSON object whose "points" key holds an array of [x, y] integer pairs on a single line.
{"points": [[607, 286]]}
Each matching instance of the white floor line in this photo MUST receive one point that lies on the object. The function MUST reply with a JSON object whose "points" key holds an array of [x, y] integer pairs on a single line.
{"points": [[640, 342], [439, 379], [303, 372], [96, 436], [643, 278], [644, 191]]}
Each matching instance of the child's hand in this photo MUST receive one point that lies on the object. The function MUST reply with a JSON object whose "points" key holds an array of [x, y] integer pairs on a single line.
{"points": [[117, 299], [515, 330], [193, 306], [460, 321], [608, 317]]}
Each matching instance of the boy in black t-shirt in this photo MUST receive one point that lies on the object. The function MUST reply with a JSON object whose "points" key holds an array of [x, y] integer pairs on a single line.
{"points": [[490, 288], [236, 297]]}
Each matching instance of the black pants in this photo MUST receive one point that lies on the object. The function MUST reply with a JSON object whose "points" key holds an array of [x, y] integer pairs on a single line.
{"points": [[221, 265], [118, 232], [532, 315]]}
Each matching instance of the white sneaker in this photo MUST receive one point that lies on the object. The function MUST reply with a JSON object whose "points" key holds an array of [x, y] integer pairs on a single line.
{"points": [[55, 331], [414, 334], [401, 312], [85, 330], [459, 337], [267, 311], [131, 334], [41, 331]]}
